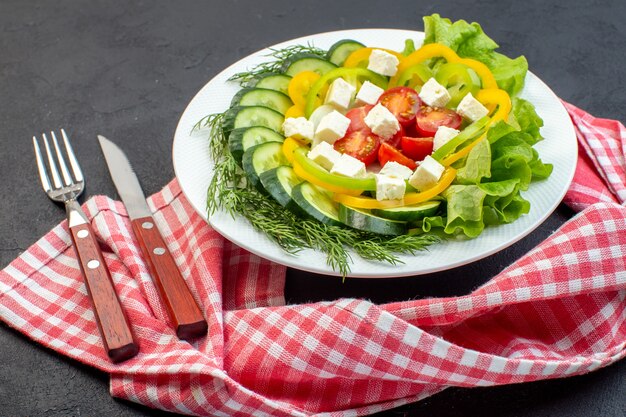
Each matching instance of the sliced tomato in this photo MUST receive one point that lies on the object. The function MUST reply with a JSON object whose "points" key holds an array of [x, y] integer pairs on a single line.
{"points": [[361, 144], [411, 130], [403, 102], [429, 119], [357, 118], [388, 153], [417, 148]]}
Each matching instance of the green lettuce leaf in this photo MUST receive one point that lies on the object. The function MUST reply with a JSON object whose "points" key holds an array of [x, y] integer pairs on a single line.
{"points": [[465, 209], [477, 165], [472, 207], [527, 118], [503, 201], [540, 171], [487, 189], [499, 130], [469, 41]]}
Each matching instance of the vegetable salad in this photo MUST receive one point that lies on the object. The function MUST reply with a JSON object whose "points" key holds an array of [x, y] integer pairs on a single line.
{"points": [[381, 151]]}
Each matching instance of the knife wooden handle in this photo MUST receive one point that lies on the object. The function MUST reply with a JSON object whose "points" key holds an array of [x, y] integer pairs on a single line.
{"points": [[181, 306], [117, 337]]}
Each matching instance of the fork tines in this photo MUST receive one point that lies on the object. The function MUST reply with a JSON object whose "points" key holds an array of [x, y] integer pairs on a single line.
{"points": [[62, 180]]}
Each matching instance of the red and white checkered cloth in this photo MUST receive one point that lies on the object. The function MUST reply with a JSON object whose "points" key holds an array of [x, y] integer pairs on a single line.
{"points": [[558, 311]]}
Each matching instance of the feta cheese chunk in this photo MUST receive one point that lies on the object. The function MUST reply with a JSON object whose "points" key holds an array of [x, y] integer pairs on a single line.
{"points": [[395, 169], [368, 94], [383, 63], [434, 94], [298, 128], [443, 135], [382, 121], [427, 174], [348, 166], [324, 154], [340, 94], [389, 188], [331, 127], [319, 113], [471, 109]]}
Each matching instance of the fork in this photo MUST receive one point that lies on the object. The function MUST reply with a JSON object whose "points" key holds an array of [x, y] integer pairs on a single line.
{"points": [[65, 187]]}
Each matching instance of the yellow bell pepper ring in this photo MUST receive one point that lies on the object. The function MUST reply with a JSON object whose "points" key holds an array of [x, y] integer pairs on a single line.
{"points": [[488, 97], [496, 96], [486, 77], [437, 50], [289, 147], [362, 55], [300, 85], [294, 111], [428, 51], [409, 198]]}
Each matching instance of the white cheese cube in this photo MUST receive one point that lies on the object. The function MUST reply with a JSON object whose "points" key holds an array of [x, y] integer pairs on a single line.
{"points": [[443, 135], [382, 121], [331, 127], [324, 154], [319, 113], [383, 63], [471, 109], [348, 166], [340, 94], [395, 169], [368, 94], [298, 128], [427, 174], [389, 188], [434, 94]]}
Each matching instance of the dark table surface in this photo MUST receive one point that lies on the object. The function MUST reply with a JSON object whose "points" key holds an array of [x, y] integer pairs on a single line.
{"points": [[128, 69]]}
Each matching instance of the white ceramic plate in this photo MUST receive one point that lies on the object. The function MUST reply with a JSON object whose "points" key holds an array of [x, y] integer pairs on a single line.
{"points": [[194, 168]]}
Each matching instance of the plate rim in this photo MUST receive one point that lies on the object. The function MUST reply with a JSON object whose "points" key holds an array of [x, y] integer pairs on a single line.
{"points": [[285, 258]]}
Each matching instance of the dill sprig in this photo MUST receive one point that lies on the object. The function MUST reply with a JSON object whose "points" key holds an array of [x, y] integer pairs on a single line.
{"points": [[280, 57], [229, 191]]}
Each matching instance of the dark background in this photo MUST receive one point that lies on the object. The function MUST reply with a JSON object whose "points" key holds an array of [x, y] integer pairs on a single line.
{"points": [[128, 69]]}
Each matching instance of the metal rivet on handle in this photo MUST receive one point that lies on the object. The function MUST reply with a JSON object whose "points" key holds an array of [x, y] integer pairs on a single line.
{"points": [[158, 251], [82, 233], [93, 264], [147, 225]]}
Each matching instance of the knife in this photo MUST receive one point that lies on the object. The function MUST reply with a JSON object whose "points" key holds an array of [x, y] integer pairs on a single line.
{"points": [[182, 308]]}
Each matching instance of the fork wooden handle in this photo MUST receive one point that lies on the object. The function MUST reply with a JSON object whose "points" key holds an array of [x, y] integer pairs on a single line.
{"points": [[117, 336], [182, 308]]}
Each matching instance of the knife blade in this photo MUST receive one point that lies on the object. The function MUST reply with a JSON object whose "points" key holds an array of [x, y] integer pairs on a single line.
{"points": [[182, 308]]}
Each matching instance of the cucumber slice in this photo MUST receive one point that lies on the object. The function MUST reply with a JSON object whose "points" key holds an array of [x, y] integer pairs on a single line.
{"points": [[239, 116], [338, 53], [262, 97], [274, 81], [307, 62], [364, 220], [316, 203], [409, 213], [261, 158], [279, 182], [243, 138]]}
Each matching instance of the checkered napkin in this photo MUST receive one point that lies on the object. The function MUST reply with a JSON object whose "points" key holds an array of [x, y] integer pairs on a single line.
{"points": [[558, 311]]}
